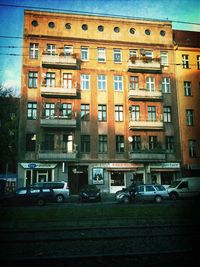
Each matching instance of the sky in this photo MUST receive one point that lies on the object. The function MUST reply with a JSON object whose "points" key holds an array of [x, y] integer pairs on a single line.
{"points": [[12, 13]]}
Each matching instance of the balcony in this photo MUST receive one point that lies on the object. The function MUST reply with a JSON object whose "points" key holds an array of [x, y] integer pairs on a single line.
{"points": [[144, 94], [58, 122], [144, 65], [58, 91], [146, 125], [57, 155], [157, 155], [60, 61]]}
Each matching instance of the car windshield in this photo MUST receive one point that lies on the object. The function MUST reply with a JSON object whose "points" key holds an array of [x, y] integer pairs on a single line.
{"points": [[89, 188], [174, 184]]}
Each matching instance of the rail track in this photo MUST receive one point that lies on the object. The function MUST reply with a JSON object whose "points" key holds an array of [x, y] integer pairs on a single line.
{"points": [[86, 244]]}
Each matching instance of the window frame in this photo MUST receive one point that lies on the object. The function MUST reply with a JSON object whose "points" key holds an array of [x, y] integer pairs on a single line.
{"points": [[34, 51], [32, 79], [119, 113], [102, 112], [102, 83], [101, 54], [84, 53], [85, 81], [120, 145], [118, 83], [117, 55], [103, 143], [31, 110]]}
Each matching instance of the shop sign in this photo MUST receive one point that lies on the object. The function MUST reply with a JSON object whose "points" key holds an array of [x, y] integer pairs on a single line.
{"points": [[167, 165], [124, 165], [34, 165]]}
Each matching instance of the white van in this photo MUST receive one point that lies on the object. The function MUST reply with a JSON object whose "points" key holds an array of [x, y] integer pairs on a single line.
{"points": [[187, 187]]}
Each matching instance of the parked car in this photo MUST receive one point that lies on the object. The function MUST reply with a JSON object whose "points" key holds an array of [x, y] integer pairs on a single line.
{"points": [[144, 192], [60, 189], [89, 193], [28, 196], [188, 187]]}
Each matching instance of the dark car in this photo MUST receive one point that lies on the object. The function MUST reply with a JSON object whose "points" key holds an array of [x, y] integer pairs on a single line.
{"points": [[89, 193], [28, 196]]}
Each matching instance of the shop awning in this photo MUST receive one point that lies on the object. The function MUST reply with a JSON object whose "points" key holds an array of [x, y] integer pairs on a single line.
{"points": [[121, 169], [165, 170]]}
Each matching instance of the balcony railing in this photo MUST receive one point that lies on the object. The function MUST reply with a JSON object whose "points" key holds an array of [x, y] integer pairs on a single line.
{"points": [[60, 61], [58, 91], [57, 155], [144, 64], [144, 94], [58, 122], [157, 155], [146, 125]]}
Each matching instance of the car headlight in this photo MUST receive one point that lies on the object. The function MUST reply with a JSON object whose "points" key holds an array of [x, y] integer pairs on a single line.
{"points": [[84, 194]]}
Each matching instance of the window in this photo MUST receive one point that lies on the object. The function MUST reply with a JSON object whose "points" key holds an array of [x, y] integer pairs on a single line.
{"points": [[101, 54], [187, 88], [136, 143], [116, 29], [34, 23], [102, 113], [49, 110], [118, 83], [85, 27], [132, 30], [162, 33], [68, 50], [102, 82], [48, 142], [51, 49], [51, 24], [132, 53], [166, 85], [85, 144], [164, 58], [148, 53], [85, 81], [135, 113], [68, 26], [147, 32], [33, 51], [68, 142], [119, 143], [66, 110], [31, 110], [134, 83], [50, 79], [185, 61], [84, 53], [192, 148], [85, 112], [169, 143], [30, 142], [189, 117], [117, 56], [118, 113], [150, 83], [100, 28], [103, 145], [67, 80], [198, 62], [153, 142], [151, 113], [32, 79], [167, 114]]}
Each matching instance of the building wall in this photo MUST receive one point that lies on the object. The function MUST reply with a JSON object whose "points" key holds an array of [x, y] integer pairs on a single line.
{"points": [[158, 40], [186, 45]]}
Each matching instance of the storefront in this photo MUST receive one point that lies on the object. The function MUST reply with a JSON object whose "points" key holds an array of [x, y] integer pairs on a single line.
{"points": [[164, 173], [121, 175]]}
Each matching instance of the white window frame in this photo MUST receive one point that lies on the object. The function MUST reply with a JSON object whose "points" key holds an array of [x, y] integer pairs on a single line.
{"points": [[117, 55], [85, 82], [101, 54], [166, 85], [118, 83], [164, 58], [68, 50], [51, 49], [150, 84], [84, 53], [102, 82], [33, 51]]}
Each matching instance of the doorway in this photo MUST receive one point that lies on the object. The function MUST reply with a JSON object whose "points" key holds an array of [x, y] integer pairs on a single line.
{"points": [[78, 176]]}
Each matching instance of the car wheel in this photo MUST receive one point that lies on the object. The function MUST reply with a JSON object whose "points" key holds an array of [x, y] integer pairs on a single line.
{"points": [[59, 199], [158, 199], [125, 199], [174, 196], [40, 202]]}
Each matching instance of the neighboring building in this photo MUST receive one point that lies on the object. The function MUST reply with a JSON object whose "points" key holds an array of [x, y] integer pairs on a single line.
{"points": [[187, 49], [9, 122], [98, 101]]}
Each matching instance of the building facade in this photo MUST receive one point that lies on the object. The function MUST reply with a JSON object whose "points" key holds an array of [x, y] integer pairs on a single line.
{"points": [[187, 50], [98, 101]]}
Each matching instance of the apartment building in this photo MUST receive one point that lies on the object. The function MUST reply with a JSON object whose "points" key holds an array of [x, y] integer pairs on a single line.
{"points": [[98, 101], [187, 49]]}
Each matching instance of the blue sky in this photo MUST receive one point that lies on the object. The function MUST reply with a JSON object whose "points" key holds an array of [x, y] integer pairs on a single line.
{"points": [[11, 20]]}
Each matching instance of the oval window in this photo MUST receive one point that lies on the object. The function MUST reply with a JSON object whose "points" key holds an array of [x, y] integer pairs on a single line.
{"points": [[100, 28], [68, 26], [34, 23], [132, 30], [85, 27], [116, 29], [51, 24], [147, 32]]}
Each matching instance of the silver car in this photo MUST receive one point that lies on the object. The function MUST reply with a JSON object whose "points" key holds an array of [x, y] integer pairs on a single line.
{"points": [[149, 192], [60, 189]]}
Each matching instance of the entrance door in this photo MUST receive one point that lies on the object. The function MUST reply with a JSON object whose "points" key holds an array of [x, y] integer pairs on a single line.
{"points": [[117, 181], [42, 176], [78, 176]]}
